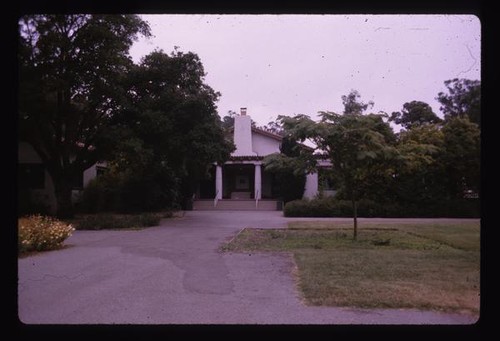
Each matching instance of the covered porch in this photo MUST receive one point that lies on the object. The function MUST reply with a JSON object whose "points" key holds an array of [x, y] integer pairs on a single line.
{"points": [[238, 180]]}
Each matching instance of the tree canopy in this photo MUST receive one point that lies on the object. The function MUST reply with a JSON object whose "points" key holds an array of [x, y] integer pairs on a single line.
{"points": [[414, 113], [355, 144], [429, 167], [353, 105], [70, 71], [462, 158], [82, 100], [463, 99], [170, 118]]}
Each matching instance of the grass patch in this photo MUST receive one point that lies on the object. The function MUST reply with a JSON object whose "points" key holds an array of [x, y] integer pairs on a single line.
{"points": [[422, 266], [105, 221]]}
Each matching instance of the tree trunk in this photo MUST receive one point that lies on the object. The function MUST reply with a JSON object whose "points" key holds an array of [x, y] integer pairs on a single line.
{"points": [[64, 208], [355, 215]]}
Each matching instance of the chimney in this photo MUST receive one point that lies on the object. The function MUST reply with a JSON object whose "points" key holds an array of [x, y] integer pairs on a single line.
{"points": [[243, 134]]}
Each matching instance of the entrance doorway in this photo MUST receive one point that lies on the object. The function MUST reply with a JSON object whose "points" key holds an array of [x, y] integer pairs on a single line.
{"points": [[238, 181]]}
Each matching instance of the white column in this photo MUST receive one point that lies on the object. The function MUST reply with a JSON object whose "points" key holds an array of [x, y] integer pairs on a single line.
{"points": [[258, 182], [218, 182]]}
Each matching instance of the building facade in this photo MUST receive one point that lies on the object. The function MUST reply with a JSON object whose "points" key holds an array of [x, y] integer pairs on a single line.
{"points": [[243, 178]]}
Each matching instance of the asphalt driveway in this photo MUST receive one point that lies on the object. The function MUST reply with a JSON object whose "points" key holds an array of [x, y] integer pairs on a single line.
{"points": [[173, 274]]}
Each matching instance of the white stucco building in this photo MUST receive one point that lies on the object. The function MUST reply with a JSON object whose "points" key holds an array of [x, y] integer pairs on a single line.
{"points": [[242, 182]]}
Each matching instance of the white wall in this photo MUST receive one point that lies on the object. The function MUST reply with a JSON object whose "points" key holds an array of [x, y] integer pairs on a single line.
{"points": [[329, 192], [311, 188], [89, 174], [324, 163], [264, 145], [249, 143], [26, 154]]}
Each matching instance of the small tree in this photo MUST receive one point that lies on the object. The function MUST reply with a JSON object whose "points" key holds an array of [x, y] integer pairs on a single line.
{"points": [[360, 147], [353, 143]]}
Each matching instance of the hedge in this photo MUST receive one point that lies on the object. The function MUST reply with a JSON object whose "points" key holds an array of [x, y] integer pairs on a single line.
{"points": [[330, 207], [103, 221]]}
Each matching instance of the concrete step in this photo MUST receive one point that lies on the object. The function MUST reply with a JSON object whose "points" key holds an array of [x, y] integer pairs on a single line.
{"points": [[235, 205]]}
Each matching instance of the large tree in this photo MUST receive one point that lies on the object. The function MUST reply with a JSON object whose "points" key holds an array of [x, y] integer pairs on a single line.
{"points": [[414, 113], [462, 156], [439, 164], [171, 132], [71, 69], [420, 177], [463, 99]]}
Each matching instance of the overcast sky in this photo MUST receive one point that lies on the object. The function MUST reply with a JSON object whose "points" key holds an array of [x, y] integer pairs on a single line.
{"points": [[302, 64]]}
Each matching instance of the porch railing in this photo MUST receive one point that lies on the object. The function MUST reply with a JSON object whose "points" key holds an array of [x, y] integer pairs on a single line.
{"points": [[216, 199]]}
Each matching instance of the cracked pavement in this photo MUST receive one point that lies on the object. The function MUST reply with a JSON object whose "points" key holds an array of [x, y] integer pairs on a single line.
{"points": [[174, 274]]}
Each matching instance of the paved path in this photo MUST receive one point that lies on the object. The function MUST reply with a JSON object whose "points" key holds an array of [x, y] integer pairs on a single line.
{"points": [[173, 274]]}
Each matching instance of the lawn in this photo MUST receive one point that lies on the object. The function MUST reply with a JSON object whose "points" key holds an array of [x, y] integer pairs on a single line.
{"points": [[423, 266]]}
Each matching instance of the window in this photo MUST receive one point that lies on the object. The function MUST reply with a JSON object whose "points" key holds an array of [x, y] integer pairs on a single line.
{"points": [[31, 175], [326, 179], [100, 170]]}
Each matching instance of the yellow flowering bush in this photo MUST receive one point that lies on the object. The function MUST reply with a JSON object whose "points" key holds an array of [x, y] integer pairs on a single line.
{"points": [[40, 233]]}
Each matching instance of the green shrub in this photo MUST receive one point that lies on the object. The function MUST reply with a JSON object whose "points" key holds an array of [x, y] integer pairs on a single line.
{"points": [[319, 207], [467, 208], [151, 219], [128, 193], [102, 194], [103, 221], [331, 207], [100, 222], [296, 208], [41, 233]]}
